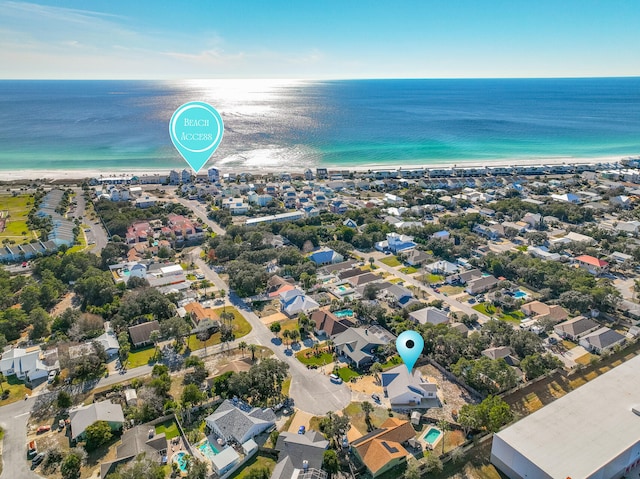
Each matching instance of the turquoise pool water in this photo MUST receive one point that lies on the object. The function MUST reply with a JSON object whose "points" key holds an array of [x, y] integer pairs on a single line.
{"points": [[208, 450], [343, 313], [519, 294], [181, 460], [342, 288], [432, 435]]}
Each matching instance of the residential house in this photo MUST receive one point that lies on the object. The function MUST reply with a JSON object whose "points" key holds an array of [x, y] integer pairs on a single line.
{"points": [[294, 302], [491, 232], [396, 243], [358, 346], [239, 422], [442, 267], [25, 364], [416, 257], [538, 310], [236, 206], [338, 207], [464, 277], [338, 267], [325, 256], [214, 175], [593, 265], [349, 223], [542, 252], [575, 328], [442, 235], [629, 227], [622, 201], [482, 284], [109, 342], [429, 315], [199, 313], [365, 278], [224, 461], [502, 352], [601, 340], [532, 219], [328, 324], [402, 297], [140, 334], [408, 389], [382, 449], [135, 441], [145, 201], [567, 198], [300, 455], [84, 416]]}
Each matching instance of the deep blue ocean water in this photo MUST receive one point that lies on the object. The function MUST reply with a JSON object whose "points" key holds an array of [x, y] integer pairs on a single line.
{"points": [[280, 125]]}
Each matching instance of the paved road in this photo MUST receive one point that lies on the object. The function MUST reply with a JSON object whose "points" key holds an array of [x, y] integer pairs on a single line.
{"points": [[98, 235], [13, 419], [311, 390], [200, 210], [464, 307]]}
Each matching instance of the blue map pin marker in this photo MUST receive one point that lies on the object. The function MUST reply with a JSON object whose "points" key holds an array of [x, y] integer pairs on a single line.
{"points": [[196, 131], [410, 345]]}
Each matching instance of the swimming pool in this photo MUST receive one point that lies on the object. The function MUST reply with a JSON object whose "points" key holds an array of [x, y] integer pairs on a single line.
{"points": [[208, 450], [342, 288], [180, 458], [519, 294], [432, 435], [343, 313]]}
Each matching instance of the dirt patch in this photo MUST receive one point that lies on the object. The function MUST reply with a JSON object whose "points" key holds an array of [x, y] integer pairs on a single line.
{"points": [[272, 318], [452, 397], [66, 302], [367, 385]]}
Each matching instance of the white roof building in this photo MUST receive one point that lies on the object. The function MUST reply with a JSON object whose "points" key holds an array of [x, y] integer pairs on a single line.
{"points": [[592, 432]]}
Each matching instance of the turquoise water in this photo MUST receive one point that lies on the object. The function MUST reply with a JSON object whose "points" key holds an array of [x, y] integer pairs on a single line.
{"points": [[342, 288], [432, 435], [180, 459], [519, 294], [208, 450], [343, 313], [120, 125]]}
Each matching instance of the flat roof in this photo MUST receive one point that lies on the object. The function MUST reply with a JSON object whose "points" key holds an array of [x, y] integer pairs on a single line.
{"points": [[581, 432]]}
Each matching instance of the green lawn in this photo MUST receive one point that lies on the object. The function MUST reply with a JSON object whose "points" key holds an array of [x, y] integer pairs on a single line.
{"points": [[392, 362], [258, 462], [83, 242], [391, 261], [568, 344], [169, 427], [346, 374], [490, 310], [357, 418], [16, 389], [18, 208], [286, 385], [141, 357], [313, 360], [432, 278], [408, 270], [240, 328]]}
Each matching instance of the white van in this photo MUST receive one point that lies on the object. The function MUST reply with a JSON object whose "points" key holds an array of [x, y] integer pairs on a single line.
{"points": [[335, 379]]}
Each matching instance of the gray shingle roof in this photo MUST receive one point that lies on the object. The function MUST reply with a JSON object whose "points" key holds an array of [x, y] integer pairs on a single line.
{"points": [[85, 416], [235, 423]]}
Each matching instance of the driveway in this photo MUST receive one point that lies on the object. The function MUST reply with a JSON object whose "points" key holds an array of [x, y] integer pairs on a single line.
{"points": [[13, 419]]}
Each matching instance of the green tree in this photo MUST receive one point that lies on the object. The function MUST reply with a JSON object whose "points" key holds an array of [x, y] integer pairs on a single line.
{"points": [[330, 462], [433, 463], [367, 409], [97, 434], [334, 427], [192, 395], [70, 466], [444, 427], [376, 369], [275, 328], [197, 469], [259, 473], [64, 400], [253, 348], [412, 471], [242, 345], [538, 364], [40, 321]]}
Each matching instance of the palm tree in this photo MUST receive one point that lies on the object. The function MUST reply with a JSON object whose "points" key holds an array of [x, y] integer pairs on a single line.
{"points": [[205, 283], [376, 369], [286, 334], [444, 427], [253, 348], [204, 336], [295, 335], [154, 337], [367, 409], [242, 346]]}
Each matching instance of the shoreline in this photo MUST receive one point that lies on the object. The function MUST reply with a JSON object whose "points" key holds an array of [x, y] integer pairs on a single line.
{"points": [[7, 176]]}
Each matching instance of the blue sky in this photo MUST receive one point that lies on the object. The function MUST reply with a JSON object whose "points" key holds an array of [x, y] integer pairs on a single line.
{"points": [[318, 39]]}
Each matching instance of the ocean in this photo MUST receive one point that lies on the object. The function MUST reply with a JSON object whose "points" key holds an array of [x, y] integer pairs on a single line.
{"points": [[283, 125]]}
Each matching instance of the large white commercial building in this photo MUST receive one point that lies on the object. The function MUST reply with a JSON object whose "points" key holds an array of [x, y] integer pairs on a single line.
{"points": [[591, 433]]}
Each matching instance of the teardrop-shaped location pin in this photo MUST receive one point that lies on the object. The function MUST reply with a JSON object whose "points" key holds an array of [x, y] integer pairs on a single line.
{"points": [[196, 131], [410, 345]]}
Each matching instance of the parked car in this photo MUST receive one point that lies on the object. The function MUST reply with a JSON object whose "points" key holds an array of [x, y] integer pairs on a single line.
{"points": [[472, 300], [52, 376], [32, 449], [37, 459], [42, 429], [302, 430], [335, 379], [375, 397]]}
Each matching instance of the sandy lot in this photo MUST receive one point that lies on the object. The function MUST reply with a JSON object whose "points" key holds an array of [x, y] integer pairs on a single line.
{"points": [[300, 419], [272, 318], [452, 396]]}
